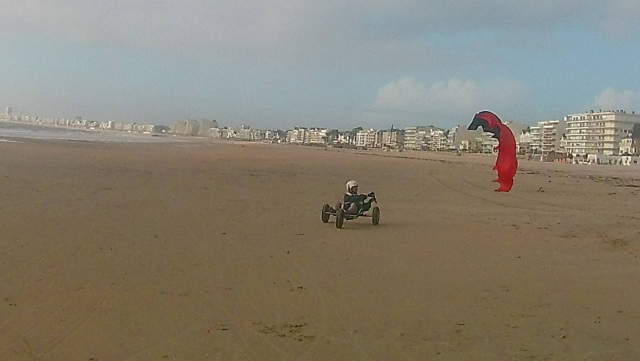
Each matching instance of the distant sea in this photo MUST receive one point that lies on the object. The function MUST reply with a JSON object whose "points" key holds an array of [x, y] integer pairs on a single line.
{"points": [[11, 131]]}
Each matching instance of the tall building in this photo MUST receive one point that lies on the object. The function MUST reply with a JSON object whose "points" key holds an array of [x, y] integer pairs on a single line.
{"points": [[552, 132], [317, 136], [205, 127], [523, 142], [536, 139], [547, 136], [8, 113], [435, 140], [451, 138], [410, 137], [178, 128], [297, 135], [186, 127], [461, 138], [393, 138], [599, 132], [415, 137], [366, 138], [245, 133]]}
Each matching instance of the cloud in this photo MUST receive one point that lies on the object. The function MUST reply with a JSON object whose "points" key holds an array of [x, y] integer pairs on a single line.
{"points": [[452, 98], [620, 20], [612, 99], [360, 33]]}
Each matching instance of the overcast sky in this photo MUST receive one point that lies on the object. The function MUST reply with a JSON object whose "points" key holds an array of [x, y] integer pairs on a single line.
{"points": [[333, 63]]}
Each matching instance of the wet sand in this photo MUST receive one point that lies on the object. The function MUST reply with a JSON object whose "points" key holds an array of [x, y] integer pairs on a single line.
{"points": [[217, 252]]}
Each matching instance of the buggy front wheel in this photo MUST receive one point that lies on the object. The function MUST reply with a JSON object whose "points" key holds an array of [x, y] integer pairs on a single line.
{"points": [[326, 209], [340, 218], [375, 216]]}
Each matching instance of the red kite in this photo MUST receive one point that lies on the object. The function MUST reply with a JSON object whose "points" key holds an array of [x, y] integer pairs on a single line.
{"points": [[507, 163]]}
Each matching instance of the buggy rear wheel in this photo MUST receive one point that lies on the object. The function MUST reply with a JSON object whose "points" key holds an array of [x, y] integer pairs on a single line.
{"points": [[326, 209], [375, 216], [340, 218]]}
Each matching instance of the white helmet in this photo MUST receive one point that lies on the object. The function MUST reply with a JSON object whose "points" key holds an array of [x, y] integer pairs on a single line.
{"points": [[351, 184]]}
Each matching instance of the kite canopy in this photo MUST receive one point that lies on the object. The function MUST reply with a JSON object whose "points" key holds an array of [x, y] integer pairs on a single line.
{"points": [[507, 163], [489, 122]]}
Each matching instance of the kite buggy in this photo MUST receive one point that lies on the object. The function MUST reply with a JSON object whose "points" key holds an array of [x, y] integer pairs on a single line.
{"points": [[355, 205]]}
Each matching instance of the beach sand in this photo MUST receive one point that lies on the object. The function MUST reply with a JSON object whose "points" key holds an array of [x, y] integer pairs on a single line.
{"points": [[217, 252]]}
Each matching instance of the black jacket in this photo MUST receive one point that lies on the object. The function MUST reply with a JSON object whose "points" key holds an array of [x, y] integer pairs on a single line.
{"points": [[358, 199]]}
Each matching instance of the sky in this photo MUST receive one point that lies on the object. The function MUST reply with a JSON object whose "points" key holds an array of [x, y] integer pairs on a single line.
{"points": [[332, 63]]}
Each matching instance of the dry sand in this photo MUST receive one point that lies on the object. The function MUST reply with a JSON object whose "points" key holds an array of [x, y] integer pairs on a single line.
{"points": [[217, 252]]}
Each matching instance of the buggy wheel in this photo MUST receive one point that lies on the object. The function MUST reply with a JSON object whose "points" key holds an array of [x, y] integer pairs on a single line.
{"points": [[375, 216], [326, 209], [340, 218]]}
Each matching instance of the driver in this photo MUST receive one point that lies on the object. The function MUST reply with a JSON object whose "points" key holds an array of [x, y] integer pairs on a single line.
{"points": [[355, 203]]}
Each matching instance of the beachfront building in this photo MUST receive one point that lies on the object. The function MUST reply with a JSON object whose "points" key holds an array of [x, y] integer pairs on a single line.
{"points": [[183, 127], [110, 125], [451, 138], [523, 143], [366, 138], [205, 127], [547, 136], [346, 138], [415, 138], [145, 128], [229, 133], [271, 136], [599, 132], [215, 133], [475, 145], [629, 146], [393, 138], [316, 136], [536, 139], [462, 139], [296, 135], [436, 140], [552, 133], [245, 133]]}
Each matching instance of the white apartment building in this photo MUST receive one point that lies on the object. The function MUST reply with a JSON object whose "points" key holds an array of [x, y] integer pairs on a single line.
{"points": [[411, 141], [245, 133], [390, 138], [417, 138], [628, 146], [215, 133], [437, 140], [345, 138], [271, 135], [536, 139], [599, 132], [552, 132], [366, 138], [523, 143], [316, 136], [546, 136], [297, 135], [451, 138]]}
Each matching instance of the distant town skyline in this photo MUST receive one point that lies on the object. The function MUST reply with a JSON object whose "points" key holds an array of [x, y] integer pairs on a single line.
{"points": [[279, 64]]}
